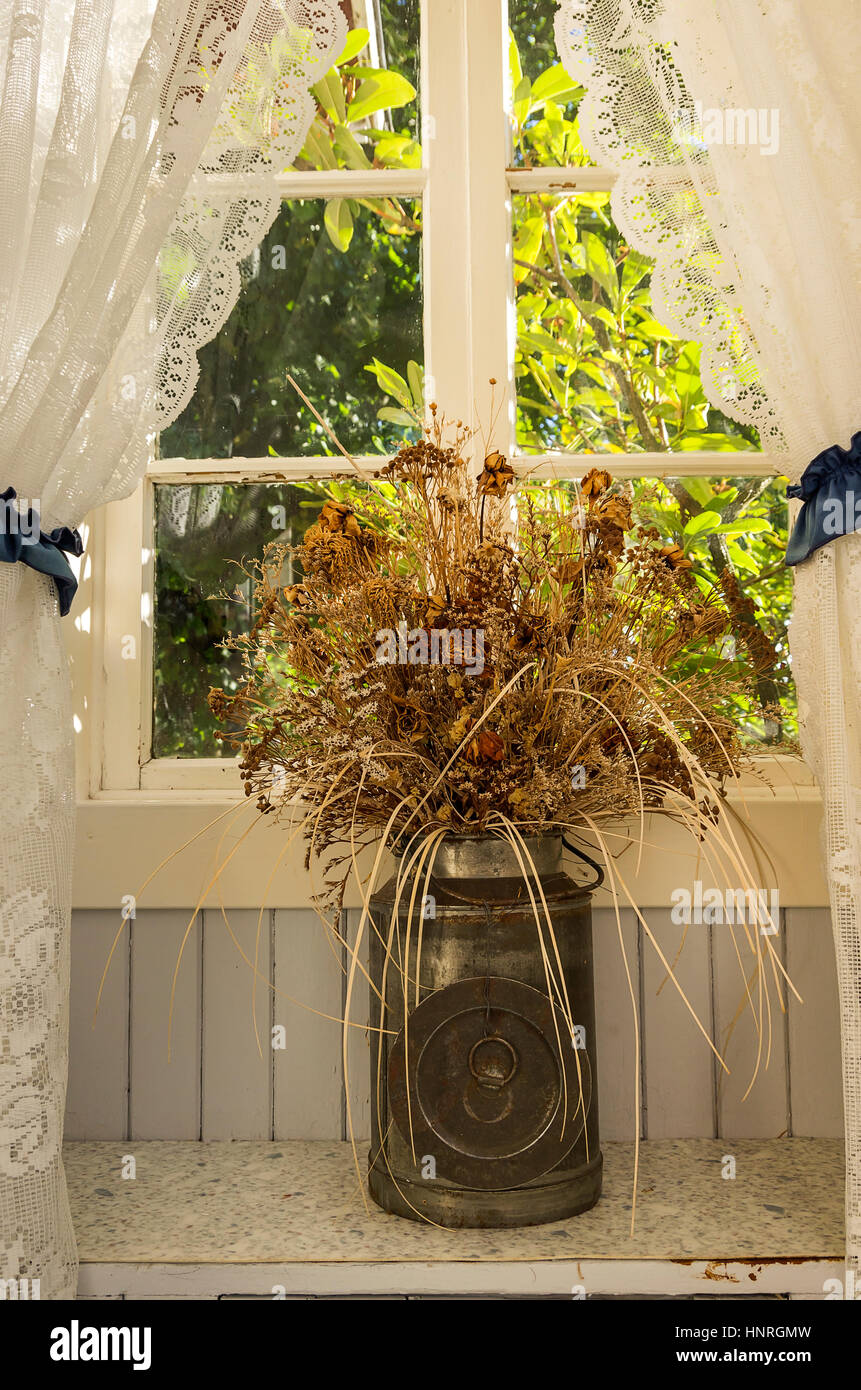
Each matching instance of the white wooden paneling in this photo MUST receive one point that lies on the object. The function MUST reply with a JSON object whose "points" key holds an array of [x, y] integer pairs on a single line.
{"points": [[98, 1091], [218, 1086], [237, 1074], [815, 1086], [765, 1112], [164, 1099], [358, 1041], [614, 1021], [308, 1071], [677, 1060]]}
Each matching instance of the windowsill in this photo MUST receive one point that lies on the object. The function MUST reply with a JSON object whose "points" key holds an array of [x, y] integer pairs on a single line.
{"points": [[696, 1233], [123, 836]]}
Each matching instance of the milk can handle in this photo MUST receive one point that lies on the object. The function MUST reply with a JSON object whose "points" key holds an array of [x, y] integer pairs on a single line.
{"points": [[572, 849]]}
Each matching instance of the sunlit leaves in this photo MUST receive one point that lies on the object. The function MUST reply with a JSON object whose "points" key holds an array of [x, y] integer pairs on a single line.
{"points": [[355, 126], [379, 91], [554, 82], [601, 266], [409, 394], [545, 94], [355, 42], [416, 378], [330, 94], [397, 151], [348, 147], [703, 521], [527, 245], [339, 222]]}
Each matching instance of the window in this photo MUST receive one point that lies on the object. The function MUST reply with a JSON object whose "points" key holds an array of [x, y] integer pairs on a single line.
{"points": [[443, 227]]}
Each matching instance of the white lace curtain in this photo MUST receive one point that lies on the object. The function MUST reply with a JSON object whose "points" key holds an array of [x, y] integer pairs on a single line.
{"points": [[139, 140], [758, 257]]}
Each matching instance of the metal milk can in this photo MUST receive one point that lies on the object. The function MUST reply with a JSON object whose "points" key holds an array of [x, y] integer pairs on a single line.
{"points": [[484, 1106]]}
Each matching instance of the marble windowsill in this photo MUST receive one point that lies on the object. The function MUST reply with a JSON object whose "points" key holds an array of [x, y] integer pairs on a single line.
{"points": [[294, 1210]]}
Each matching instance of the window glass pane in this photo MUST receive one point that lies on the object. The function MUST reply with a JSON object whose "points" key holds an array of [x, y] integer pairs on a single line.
{"points": [[594, 370], [334, 286], [543, 98], [734, 532], [203, 532], [367, 105]]}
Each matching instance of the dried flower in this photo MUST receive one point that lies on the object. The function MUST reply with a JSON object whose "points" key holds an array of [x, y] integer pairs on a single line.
{"points": [[616, 511], [676, 558], [435, 608], [568, 570], [337, 516], [486, 744], [596, 481], [495, 476]]}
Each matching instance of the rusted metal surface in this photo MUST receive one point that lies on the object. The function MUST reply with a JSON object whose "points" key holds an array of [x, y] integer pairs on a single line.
{"points": [[484, 1108], [490, 1094]]}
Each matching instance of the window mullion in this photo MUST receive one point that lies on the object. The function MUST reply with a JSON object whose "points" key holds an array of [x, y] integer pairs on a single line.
{"points": [[491, 283], [446, 242], [123, 642]]}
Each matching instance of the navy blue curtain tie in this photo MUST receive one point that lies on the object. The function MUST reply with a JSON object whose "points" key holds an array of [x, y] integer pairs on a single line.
{"points": [[830, 489], [21, 539]]}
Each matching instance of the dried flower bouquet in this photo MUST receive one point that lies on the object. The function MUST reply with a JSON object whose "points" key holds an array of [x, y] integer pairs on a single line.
{"points": [[462, 654], [469, 653]]}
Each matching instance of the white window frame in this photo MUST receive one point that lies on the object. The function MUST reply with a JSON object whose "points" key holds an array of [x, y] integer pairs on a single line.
{"points": [[466, 185]]}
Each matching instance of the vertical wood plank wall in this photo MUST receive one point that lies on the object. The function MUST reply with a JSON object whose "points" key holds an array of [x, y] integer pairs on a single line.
{"points": [[225, 1081]]}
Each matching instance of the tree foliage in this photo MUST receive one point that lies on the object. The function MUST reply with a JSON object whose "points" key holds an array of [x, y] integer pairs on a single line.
{"points": [[334, 296]]}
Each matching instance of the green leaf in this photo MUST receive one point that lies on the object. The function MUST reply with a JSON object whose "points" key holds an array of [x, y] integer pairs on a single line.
{"points": [[742, 559], [553, 82], [749, 525], [350, 150], [701, 523], [590, 310], [634, 270], [395, 416], [416, 379], [380, 93], [696, 414], [654, 374], [329, 91], [391, 382], [339, 223], [318, 149], [537, 341], [522, 100], [650, 328], [356, 41], [514, 66], [594, 373], [527, 244], [600, 265], [401, 150], [701, 491], [721, 500], [714, 442]]}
